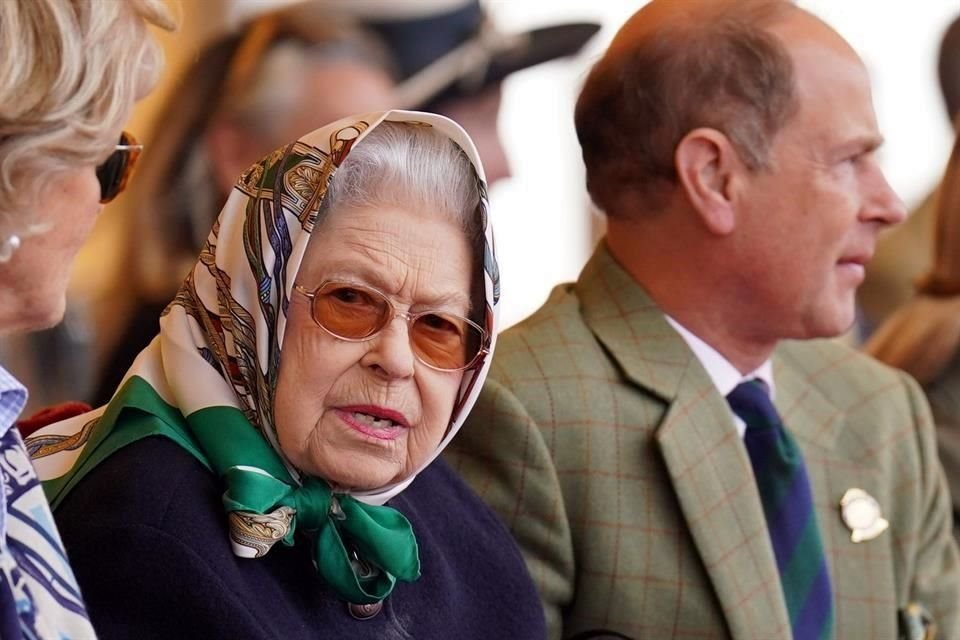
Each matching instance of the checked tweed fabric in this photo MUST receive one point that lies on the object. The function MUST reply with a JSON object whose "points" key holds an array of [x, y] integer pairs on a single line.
{"points": [[605, 447], [788, 506]]}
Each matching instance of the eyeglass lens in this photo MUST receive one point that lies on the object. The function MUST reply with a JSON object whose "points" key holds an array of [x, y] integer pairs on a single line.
{"points": [[112, 174], [441, 340]]}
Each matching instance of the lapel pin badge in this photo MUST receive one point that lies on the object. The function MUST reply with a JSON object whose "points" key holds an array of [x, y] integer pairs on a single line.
{"points": [[861, 513], [916, 623]]}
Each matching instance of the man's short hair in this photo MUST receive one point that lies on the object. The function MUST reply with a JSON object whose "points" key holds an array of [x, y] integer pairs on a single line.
{"points": [[723, 70]]}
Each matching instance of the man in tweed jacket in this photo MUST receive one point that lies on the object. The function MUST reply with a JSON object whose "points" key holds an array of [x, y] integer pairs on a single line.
{"points": [[731, 144]]}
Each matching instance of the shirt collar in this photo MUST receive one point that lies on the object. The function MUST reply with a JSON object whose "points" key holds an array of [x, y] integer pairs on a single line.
{"points": [[13, 398], [725, 376]]}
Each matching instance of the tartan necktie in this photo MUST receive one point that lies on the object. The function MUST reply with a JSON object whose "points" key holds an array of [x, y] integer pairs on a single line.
{"points": [[788, 506]]}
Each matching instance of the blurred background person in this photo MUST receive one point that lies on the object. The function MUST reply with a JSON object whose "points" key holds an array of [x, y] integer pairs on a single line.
{"points": [[904, 253], [71, 73], [923, 336], [284, 73], [452, 59]]}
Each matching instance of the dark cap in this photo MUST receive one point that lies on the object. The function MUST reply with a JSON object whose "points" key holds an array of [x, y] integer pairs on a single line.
{"points": [[455, 51]]}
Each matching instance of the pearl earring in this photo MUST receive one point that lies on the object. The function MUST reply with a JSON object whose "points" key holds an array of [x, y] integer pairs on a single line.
{"points": [[8, 247]]}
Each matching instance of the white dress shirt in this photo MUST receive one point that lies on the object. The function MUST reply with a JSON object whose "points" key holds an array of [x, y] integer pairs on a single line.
{"points": [[725, 376]]}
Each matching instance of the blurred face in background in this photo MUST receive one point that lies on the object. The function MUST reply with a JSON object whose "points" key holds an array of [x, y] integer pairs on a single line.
{"points": [[329, 90], [478, 114], [335, 90]]}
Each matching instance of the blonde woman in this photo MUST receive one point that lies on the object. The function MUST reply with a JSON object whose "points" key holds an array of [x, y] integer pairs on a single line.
{"points": [[923, 336], [71, 71]]}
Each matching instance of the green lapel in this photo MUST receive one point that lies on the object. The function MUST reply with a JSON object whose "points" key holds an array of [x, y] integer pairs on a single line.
{"points": [[705, 458]]}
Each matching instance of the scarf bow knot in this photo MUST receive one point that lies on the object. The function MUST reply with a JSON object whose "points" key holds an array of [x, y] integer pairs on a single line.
{"points": [[360, 550]]}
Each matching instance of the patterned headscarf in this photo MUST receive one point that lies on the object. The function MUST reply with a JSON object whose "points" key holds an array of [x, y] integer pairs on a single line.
{"points": [[209, 377]]}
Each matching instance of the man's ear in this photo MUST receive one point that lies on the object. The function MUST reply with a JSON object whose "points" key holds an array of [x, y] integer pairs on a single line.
{"points": [[706, 163]]}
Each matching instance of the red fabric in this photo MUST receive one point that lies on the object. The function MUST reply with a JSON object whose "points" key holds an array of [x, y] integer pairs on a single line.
{"points": [[49, 415]]}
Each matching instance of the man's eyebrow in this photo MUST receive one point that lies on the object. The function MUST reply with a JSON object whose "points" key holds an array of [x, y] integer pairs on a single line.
{"points": [[874, 142], [868, 143]]}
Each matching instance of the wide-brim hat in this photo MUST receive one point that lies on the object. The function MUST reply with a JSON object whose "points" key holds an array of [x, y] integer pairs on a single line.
{"points": [[445, 49]]}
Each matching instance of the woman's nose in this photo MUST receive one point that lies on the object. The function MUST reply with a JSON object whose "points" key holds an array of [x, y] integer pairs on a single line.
{"points": [[390, 350]]}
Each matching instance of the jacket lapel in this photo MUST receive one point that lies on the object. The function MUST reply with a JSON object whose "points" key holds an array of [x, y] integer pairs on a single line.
{"points": [[705, 458]]}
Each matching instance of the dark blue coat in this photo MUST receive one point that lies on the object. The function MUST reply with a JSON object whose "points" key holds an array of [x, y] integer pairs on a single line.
{"points": [[147, 538]]}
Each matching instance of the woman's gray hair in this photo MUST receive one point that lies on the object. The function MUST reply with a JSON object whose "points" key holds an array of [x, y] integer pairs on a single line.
{"points": [[409, 165], [71, 71], [416, 167]]}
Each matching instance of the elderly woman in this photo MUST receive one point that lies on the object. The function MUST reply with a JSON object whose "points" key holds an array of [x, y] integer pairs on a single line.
{"points": [[72, 70], [324, 350]]}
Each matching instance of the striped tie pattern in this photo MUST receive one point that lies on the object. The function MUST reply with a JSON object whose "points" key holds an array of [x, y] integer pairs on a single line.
{"points": [[788, 506]]}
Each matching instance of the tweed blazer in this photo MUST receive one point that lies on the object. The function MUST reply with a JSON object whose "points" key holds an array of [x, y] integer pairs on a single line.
{"points": [[605, 447]]}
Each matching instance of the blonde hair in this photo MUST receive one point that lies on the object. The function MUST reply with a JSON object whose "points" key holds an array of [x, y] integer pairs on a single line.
{"points": [[923, 336], [72, 70]]}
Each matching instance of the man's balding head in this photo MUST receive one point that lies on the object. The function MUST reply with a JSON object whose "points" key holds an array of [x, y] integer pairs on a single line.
{"points": [[673, 67]]}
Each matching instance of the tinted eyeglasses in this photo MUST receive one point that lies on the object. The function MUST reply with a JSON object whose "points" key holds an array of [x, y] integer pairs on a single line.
{"points": [[353, 312], [115, 170]]}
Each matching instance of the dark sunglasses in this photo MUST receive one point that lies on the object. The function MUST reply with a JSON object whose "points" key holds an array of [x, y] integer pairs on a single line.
{"points": [[353, 312], [115, 170]]}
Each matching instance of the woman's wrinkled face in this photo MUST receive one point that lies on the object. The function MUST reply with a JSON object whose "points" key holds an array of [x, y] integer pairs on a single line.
{"points": [[366, 414], [33, 283]]}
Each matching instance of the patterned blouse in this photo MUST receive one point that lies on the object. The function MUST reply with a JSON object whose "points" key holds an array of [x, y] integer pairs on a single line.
{"points": [[39, 597]]}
